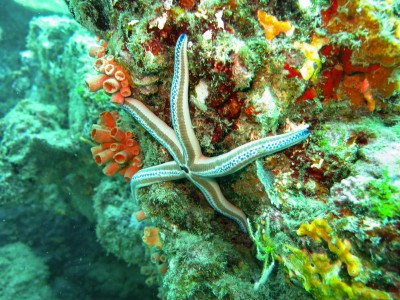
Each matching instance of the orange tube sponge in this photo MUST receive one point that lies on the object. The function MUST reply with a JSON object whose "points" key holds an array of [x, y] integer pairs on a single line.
{"points": [[101, 135], [109, 69], [112, 168], [104, 157], [151, 237], [122, 156], [140, 215], [130, 171], [119, 75], [117, 98], [111, 86], [163, 268], [108, 119], [95, 83], [118, 135], [96, 51], [126, 91]]}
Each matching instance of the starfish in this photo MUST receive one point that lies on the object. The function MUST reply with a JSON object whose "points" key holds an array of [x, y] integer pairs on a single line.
{"points": [[181, 142]]}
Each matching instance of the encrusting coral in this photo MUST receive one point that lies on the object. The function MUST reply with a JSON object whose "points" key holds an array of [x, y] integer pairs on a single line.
{"points": [[320, 274], [272, 26]]}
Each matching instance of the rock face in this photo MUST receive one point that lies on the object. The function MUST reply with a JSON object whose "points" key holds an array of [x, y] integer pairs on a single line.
{"points": [[23, 274], [48, 181]]}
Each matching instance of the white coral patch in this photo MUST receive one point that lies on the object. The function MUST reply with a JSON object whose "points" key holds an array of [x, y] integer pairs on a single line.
{"points": [[220, 22], [199, 100]]}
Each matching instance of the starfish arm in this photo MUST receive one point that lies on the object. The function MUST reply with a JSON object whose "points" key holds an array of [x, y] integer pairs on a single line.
{"points": [[155, 126], [240, 157], [180, 105], [165, 172], [210, 189]]}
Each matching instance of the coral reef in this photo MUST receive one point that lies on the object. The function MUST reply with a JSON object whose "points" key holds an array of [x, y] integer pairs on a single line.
{"points": [[247, 80], [322, 215]]}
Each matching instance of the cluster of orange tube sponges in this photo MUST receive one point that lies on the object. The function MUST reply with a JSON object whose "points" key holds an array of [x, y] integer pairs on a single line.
{"points": [[117, 149], [152, 238], [114, 79]]}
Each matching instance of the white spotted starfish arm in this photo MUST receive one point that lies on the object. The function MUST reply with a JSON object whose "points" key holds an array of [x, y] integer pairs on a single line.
{"points": [[211, 190], [180, 105], [240, 157], [165, 172], [164, 134]]}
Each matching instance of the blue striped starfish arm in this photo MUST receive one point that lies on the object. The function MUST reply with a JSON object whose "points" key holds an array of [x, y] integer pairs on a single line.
{"points": [[165, 172], [211, 190], [240, 157], [164, 134], [180, 105]]}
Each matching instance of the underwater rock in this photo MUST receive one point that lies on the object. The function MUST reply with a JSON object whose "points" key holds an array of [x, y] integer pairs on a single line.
{"points": [[23, 275], [40, 161]]}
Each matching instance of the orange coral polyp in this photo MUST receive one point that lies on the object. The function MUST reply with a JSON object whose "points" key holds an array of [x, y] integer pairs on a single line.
{"points": [[96, 149], [109, 58], [111, 86], [101, 135], [108, 119], [115, 78], [125, 91], [140, 215], [109, 69], [118, 147], [96, 51], [130, 171], [117, 99], [118, 134], [125, 83], [122, 156], [130, 142], [112, 168], [95, 83], [151, 237], [119, 75], [104, 157], [99, 65], [163, 268]]}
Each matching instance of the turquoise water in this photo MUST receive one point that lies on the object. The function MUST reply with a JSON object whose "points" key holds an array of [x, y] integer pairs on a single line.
{"points": [[86, 106]]}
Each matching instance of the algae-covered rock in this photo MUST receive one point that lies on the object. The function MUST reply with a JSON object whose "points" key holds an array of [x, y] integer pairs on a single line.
{"points": [[23, 275]]}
